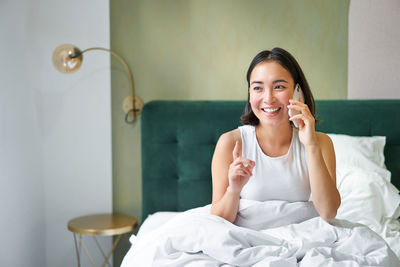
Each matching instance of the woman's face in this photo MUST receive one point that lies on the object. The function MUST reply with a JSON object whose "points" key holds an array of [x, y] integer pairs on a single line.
{"points": [[271, 87]]}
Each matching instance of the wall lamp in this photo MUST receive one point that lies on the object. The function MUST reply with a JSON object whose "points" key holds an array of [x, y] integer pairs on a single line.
{"points": [[68, 58]]}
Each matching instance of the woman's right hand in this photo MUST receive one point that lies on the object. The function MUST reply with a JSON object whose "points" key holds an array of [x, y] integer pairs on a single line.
{"points": [[240, 169]]}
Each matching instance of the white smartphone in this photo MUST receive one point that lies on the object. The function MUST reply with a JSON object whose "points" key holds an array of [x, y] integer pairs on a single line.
{"points": [[297, 94]]}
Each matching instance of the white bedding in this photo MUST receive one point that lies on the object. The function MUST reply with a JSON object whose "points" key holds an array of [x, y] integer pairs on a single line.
{"points": [[370, 199], [291, 235], [278, 233]]}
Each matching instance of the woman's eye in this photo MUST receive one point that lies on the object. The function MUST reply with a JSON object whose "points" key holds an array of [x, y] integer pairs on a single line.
{"points": [[257, 88], [279, 87]]}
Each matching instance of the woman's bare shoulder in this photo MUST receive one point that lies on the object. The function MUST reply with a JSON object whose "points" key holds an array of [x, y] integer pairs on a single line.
{"points": [[324, 139], [328, 153], [230, 138], [326, 145], [224, 148]]}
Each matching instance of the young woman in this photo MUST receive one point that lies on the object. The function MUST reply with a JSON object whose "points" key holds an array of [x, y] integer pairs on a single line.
{"points": [[268, 158]]}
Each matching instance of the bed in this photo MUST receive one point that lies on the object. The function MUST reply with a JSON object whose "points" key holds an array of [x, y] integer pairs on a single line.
{"points": [[178, 140]]}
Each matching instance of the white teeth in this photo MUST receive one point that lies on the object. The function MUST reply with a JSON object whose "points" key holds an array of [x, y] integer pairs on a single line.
{"points": [[270, 110]]}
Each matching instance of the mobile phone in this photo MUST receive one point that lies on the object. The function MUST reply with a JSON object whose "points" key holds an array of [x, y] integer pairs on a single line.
{"points": [[297, 94]]}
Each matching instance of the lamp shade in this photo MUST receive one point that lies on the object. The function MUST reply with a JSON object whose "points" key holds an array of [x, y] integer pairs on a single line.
{"points": [[67, 58]]}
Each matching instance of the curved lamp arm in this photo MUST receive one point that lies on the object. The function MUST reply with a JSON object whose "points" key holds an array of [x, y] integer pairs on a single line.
{"points": [[68, 58]]}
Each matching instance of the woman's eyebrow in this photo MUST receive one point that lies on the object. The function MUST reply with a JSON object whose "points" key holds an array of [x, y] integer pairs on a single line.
{"points": [[274, 82], [257, 82], [279, 81]]}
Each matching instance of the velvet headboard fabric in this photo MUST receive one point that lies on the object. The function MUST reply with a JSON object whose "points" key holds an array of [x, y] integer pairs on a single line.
{"points": [[179, 137]]}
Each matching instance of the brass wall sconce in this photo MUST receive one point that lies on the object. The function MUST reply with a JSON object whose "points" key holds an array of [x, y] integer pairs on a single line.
{"points": [[68, 58]]}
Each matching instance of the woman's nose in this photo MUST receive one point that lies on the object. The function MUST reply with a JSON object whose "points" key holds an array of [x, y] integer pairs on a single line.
{"points": [[268, 96]]}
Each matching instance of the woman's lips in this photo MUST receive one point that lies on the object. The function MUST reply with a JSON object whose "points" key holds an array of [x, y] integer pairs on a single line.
{"points": [[271, 112]]}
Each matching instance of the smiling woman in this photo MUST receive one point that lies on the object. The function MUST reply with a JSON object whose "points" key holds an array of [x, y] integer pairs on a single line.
{"points": [[268, 158]]}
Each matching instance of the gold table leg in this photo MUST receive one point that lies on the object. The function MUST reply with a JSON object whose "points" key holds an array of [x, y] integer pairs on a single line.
{"points": [[78, 251], [87, 251], [112, 249], [81, 244]]}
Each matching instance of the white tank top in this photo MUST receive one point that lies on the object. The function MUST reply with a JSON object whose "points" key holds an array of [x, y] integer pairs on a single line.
{"points": [[275, 178]]}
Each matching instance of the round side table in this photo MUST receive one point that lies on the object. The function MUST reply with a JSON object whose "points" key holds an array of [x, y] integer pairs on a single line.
{"points": [[100, 225]]}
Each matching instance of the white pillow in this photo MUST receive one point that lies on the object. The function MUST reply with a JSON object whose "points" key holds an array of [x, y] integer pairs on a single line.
{"points": [[363, 182], [367, 198], [365, 152]]}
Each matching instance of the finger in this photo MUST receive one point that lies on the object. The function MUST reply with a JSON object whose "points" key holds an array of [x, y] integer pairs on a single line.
{"points": [[237, 150], [238, 172], [246, 162], [250, 165], [304, 110], [243, 162], [298, 106], [237, 161], [301, 120], [295, 102], [243, 173], [249, 172], [304, 117], [298, 117], [240, 166]]}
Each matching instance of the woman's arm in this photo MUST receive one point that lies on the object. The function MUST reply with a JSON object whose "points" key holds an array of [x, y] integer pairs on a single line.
{"points": [[229, 175], [322, 173], [320, 160]]}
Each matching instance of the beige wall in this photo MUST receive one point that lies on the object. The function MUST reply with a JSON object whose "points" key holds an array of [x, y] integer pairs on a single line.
{"points": [[189, 50], [374, 58]]}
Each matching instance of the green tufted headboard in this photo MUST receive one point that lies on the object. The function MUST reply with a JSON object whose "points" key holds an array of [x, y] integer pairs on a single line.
{"points": [[178, 140]]}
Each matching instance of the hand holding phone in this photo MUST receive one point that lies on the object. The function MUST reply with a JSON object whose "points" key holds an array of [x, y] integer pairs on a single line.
{"points": [[297, 94]]}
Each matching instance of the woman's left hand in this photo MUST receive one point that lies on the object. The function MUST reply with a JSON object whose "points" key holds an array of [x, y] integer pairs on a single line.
{"points": [[306, 122]]}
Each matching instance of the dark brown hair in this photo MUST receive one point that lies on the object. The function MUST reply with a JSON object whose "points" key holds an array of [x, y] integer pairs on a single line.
{"points": [[286, 60]]}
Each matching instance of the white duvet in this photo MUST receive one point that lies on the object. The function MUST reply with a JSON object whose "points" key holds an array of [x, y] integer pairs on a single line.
{"points": [[272, 233]]}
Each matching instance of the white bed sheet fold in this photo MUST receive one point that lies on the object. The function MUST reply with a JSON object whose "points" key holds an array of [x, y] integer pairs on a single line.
{"points": [[290, 235]]}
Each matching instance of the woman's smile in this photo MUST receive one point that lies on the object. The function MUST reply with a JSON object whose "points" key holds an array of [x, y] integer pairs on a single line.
{"points": [[270, 90], [271, 112]]}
